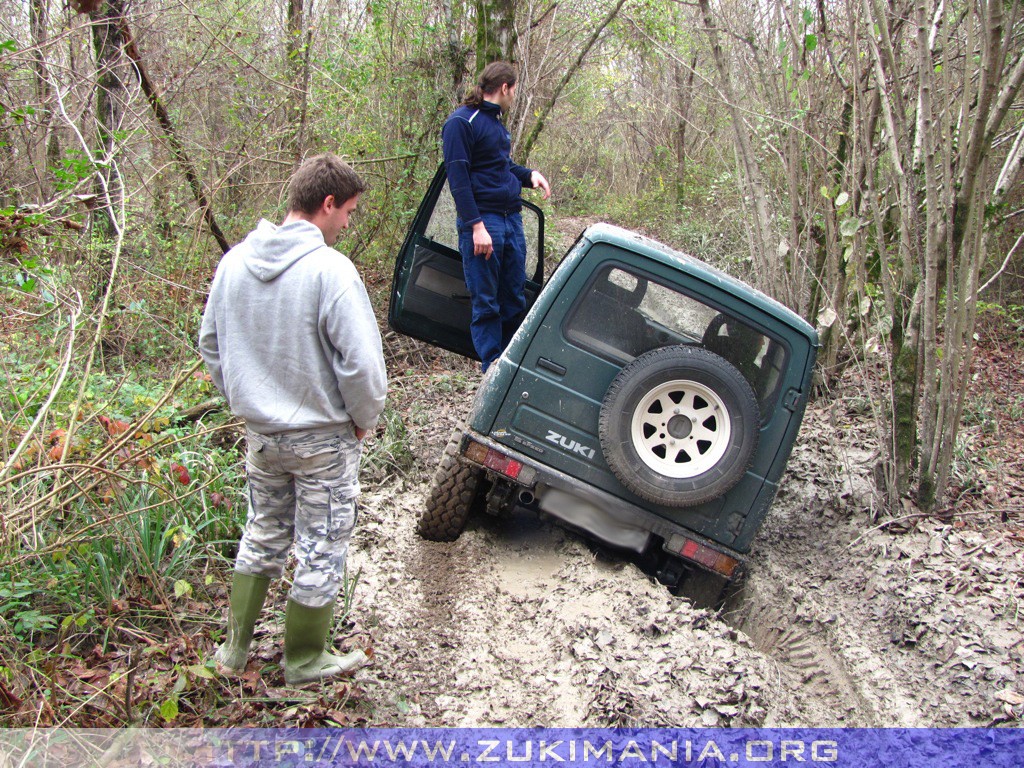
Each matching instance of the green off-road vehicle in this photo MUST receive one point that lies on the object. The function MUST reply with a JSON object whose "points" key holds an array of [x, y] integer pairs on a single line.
{"points": [[647, 399]]}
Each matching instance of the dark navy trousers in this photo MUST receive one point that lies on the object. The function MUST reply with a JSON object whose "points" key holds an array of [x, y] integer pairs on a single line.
{"points": [[495, 284]]}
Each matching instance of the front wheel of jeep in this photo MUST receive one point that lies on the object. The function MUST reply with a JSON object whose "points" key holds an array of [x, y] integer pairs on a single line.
{"points": [[679, 426], [452, 494]]}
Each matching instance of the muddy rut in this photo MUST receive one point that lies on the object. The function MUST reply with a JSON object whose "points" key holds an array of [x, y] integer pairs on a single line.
{"points": [[522, 623]]}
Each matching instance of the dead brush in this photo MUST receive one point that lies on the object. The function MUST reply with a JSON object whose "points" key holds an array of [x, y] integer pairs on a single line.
{"points": [[105, 536]]}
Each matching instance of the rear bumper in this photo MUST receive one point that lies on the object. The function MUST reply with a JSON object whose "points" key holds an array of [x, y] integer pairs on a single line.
{"points": [[602, 515]]}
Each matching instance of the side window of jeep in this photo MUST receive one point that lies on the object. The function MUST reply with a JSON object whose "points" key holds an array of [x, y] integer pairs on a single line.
{"points": [[624, 314]]}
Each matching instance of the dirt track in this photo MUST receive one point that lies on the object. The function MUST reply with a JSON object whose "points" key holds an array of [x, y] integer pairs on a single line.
{"points": [[521, 623]]}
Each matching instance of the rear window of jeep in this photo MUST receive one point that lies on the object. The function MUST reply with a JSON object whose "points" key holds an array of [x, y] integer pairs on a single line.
{"points": [[624, 314]]}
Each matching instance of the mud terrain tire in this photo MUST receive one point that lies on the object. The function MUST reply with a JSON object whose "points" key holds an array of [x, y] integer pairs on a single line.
{"points": [[679, 426], [451, 495]]}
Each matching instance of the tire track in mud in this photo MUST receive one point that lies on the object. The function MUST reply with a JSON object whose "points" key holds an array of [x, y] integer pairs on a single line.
{"points": [[470, 611], [410, 598], [821, 656], [519, 623], [805, 654], [799, 586]]}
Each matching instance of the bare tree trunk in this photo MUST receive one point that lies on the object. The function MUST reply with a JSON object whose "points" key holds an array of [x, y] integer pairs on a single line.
{"points": [[111, 104], [495, 31], [684, 98], [761, 233], [926, 141], [297, 65], [296, 25], [538, 126], [170, 134], [8, 158], [828, 239], [457, 53], [905, 295], [48, 139]]}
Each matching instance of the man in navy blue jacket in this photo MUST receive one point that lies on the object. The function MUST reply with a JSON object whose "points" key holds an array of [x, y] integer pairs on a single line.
{"points": [[486, 185]]}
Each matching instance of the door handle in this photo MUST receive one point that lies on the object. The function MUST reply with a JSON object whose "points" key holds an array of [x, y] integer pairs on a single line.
{"points": [[548, 365]]}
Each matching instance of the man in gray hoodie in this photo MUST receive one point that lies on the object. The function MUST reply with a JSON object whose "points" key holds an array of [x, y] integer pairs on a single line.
{"points": [[291, 341]]}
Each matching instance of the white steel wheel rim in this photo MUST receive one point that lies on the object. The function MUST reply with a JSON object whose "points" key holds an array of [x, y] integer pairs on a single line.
{"points": [[681, 429]]}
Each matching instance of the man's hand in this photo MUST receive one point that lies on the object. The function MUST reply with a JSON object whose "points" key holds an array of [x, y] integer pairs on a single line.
{"points": [[360, 432], [539, 182], [482, 244]]}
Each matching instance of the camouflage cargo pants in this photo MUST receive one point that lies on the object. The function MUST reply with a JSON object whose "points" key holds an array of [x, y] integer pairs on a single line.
{"points": [[303, 486]]}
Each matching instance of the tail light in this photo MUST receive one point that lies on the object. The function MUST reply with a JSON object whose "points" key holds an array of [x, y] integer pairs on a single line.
{"points": [[712, 559], [498, 462]]}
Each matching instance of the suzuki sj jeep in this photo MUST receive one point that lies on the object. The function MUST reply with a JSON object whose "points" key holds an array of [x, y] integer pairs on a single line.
{"points": [[647, 399]]}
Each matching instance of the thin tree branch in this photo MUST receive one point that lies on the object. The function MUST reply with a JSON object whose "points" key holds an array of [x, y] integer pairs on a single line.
{"points": [[569, 73], [1002, 268], [177, 148], [45, 409]]}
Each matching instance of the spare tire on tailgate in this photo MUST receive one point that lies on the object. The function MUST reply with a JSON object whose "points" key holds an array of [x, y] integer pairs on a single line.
{"points": [[679, 426]]}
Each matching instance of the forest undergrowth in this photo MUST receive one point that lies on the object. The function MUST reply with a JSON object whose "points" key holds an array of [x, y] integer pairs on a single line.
{"points": [[123, 497], [876, 190]]}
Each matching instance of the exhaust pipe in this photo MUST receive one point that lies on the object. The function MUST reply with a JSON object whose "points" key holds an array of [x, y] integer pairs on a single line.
{"points": [[526, 497]]}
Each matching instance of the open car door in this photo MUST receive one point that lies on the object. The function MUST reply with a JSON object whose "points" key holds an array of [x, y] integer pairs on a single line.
{"points": [[429, 298]]}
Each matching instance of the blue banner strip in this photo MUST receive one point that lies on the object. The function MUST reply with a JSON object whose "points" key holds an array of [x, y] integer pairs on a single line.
{"points": [[513, 747]]}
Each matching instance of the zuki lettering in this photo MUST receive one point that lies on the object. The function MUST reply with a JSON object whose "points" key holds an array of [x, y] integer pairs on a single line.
{"points": [[570, 445]]}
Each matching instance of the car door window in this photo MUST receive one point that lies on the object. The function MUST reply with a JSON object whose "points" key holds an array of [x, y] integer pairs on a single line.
{"points": [[441, 228], [441, 225]]}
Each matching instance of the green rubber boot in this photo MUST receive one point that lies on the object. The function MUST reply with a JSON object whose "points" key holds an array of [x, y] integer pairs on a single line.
{"points": [[305, 660], [247, 595]]}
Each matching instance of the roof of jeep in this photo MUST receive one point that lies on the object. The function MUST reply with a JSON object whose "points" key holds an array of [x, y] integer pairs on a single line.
{"points": [[632, 241]]}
